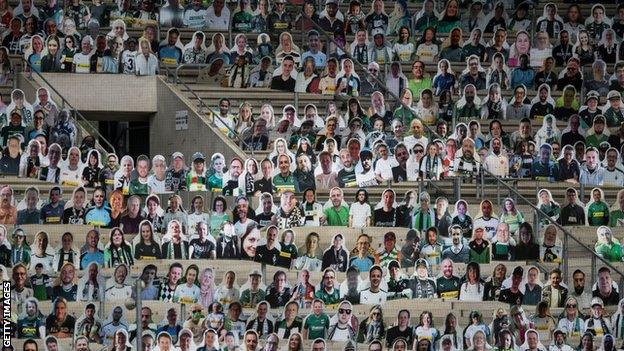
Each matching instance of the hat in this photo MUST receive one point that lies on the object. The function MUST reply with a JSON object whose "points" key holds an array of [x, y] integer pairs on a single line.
{"points": [[614, 94], [592, 94], [19, 232], [339, 236], [279, 1], [558, 331], [198, 156], [355, 119], [421, 262], [474, 314], [349, 346], [515, 309], [255, 272], [327, 2], [16, 112], [599, 119], [518, 271], [411, 235], [177, 154], [366, 152], [597, 301], [377, 31]]}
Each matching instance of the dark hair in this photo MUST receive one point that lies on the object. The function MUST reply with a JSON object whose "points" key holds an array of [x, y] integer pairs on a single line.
{"points": [[577, 272], [604, 269], [375, 268]]}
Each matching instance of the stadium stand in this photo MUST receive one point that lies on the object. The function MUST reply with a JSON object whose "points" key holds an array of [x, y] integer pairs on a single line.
{"points": [[382, 175]]}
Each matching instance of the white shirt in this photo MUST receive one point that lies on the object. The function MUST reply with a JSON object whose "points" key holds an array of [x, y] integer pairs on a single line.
{"points": [[146, 66], [218, 23], [411, 141], [471, 292], [489, 225], [156, 186], [498, 165], [615, 177], [195, 19], [367, 297], [69, 177], [82, 62], [384, 167], [116, 293], [359, 212], [365, 179]]}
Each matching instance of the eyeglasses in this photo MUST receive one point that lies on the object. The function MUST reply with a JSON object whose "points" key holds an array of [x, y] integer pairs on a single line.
{"points": [[344, 311], [570, 306]]}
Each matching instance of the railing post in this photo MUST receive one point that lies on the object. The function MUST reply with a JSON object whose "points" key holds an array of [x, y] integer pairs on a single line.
{"points": [[536, 222], [457, 188], [566, 255], [139, 303], [498, 192], [582, 193], [482, 184], [593, 270], [263, 270], [296, 102]]}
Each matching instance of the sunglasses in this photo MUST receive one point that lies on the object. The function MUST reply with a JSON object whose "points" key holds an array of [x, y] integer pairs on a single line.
{"points": [[373, 70], [419, 151], [571, 306], [344, 311]]}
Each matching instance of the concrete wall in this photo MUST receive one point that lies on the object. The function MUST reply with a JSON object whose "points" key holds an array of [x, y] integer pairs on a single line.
{"points": [[200, 136], [124, 98], [105, 93]]}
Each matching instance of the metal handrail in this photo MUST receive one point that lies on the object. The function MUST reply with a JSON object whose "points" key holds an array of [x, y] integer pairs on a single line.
{"points": [[541, 214], [66, 102], [204, 105]]}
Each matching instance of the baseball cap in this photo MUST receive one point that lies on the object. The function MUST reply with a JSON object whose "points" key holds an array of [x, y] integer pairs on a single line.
{"points": [[597, 301], [327, 2], [255, 272], [198, 156], [614, 94], [592, 94], [377, 31], [177, 154], [421, 262]]}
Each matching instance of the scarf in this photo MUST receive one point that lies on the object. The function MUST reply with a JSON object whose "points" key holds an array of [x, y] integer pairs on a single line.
{"points": [[120, 256], [91, 291], [264, 326], [171, 251], [65, 257], [431, 166], [206, 295]]}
